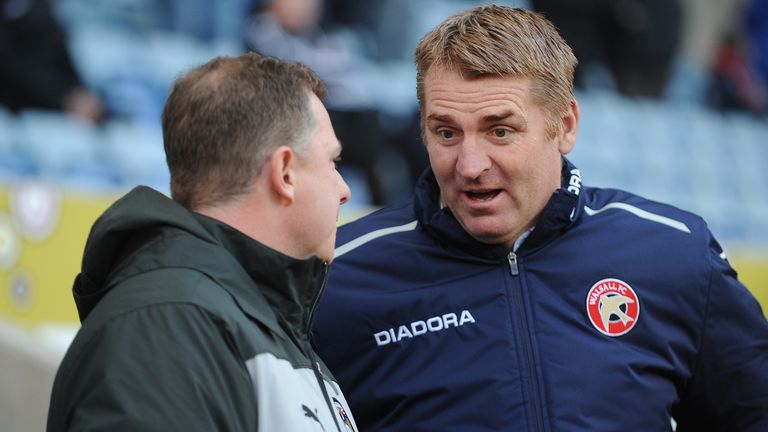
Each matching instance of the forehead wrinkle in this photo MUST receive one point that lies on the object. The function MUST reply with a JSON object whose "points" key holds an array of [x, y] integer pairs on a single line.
{"points": [[472, 94], [491, 88], [497, 107]]}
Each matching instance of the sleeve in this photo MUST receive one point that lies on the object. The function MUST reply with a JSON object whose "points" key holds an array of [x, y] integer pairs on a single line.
{"points": [[729, 389], [161, 368]]}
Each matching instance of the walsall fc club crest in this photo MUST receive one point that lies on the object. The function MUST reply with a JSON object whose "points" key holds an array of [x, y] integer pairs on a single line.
{"points": [[612, 307]]}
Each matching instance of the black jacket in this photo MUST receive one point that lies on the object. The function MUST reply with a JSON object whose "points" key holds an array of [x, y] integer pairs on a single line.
{"points": [[188, 324]]}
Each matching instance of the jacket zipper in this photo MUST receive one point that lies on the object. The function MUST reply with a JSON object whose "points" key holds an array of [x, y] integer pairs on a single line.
{"points": [[512, 258], [321, 383], [315, 363], [527, 343], [316, 300]]}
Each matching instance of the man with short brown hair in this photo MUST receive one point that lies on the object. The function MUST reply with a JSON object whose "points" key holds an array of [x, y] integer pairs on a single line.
{"points": [[510, 297], [196, 311]]}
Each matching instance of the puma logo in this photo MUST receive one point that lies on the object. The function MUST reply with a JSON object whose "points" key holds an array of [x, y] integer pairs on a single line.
{"points": [[312, 414]]}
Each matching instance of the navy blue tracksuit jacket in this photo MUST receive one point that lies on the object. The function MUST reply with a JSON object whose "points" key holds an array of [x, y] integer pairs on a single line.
{"points": [[616, 314]]}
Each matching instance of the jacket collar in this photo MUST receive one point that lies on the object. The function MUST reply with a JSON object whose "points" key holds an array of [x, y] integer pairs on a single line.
{"points": [[290, 286], [127, 239], [562, 209]]}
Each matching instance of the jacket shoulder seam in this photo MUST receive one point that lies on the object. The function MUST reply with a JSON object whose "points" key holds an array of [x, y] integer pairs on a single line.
{"points": [[643, 214], [373, 235]]}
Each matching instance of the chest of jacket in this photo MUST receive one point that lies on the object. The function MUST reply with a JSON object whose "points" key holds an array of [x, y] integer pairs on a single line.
{"points": [[522, 340]]}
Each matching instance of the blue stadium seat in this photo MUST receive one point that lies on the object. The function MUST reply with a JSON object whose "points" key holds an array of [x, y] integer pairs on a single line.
{"points": [[136, 150], [170, 54], [680, 153], [65, 150], [14, 163]]}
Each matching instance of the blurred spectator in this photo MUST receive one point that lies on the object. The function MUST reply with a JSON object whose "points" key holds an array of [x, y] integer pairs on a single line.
{"points": [[205, 20], [290, 29], [391, 29], [626, 44], [757, 36], [739, 70], [735, 84], [357, 86], [703, 24], [37, 71]]}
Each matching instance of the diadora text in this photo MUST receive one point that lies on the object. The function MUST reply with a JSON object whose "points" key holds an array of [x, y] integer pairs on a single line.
{"points": [[421, 327]]}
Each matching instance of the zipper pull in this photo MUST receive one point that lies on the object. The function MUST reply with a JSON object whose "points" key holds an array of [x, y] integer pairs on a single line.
{"points": [[512, 258], [321, 382]]}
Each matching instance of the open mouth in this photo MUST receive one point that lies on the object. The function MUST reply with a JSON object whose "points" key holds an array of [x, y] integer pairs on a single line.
{"points": [[483, 195]]}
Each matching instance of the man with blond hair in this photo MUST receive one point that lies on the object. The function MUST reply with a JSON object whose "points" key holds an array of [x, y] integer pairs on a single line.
{"points": [[196, 310], [508, 296]]}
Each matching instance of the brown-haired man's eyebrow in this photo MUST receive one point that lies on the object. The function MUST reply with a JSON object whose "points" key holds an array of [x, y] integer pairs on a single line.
{"points": [[440, 118]]}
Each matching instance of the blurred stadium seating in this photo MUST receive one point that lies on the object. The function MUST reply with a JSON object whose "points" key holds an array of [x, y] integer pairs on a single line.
{"points": [[689, 156]]}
